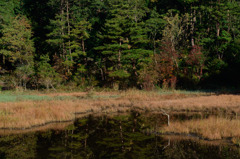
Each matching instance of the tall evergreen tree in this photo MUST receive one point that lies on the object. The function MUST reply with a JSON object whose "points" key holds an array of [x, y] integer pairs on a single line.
{"points": [[138, 56], [115, 42], [17, 49]]}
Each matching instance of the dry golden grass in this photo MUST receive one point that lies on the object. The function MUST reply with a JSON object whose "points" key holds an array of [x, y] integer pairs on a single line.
{"points": [[24, 114], [75, 94], [152, 96], [212, 128], [199, 103], [52, 126], [28, 113]]}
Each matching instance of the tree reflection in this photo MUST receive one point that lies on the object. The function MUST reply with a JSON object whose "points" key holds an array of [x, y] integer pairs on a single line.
{"points": [[109, 137], [18, 146]]}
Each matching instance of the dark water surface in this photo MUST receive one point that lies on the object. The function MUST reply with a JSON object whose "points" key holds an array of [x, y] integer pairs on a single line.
{"points": [[124, 136]]}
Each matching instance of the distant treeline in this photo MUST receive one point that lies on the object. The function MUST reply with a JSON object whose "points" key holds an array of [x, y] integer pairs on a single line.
{"points": [[119, 43]]}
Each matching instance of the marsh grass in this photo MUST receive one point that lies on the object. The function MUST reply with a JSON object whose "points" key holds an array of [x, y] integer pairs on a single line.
{"points": [[29, 109], [212, 128], [44, 128], [19, 98], [16, 98]]}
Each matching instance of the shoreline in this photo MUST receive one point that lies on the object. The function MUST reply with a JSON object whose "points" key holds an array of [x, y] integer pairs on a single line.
{"points": [[28, 114]]}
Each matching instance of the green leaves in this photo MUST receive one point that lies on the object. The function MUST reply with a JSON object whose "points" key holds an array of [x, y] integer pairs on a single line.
{"points": [[47, 76], [120, 74], [16, 47], [16, 42], [57, 34], [119, 41]]}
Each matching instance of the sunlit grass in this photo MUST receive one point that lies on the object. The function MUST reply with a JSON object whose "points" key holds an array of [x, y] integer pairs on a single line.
{"points": [[212, 128]]}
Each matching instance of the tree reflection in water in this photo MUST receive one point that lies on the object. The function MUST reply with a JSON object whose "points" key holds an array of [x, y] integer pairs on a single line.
{"points": [[109, 137]]}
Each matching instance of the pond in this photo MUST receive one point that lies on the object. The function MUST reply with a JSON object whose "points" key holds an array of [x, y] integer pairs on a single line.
{"points": [[121, 136]]}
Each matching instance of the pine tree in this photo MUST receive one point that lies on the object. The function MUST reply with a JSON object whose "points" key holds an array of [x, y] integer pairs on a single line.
{"points": [[47, 75], [114, 42], [78, 36], [154, 26], [138, 56], [17, 49], [6, 12]]}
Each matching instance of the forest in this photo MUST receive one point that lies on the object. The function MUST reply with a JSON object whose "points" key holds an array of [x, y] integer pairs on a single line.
{"points": [[120, 44]]}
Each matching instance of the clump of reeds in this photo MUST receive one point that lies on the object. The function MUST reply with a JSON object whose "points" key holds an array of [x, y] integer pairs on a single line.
{"points": [[211, 128]]}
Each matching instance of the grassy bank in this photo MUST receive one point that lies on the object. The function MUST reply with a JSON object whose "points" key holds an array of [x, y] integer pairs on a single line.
{"points": [[49, 107], [211, 129]]}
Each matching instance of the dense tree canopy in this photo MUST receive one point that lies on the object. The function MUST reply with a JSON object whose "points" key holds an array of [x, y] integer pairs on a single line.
{"points": [[120, 43]]}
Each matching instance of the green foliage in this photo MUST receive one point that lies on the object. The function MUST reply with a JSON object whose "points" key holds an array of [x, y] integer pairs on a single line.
{"points": [[56, 36], [216, 66], [6, 12], [154, 26], [116, 41], [119, 74], [16, 44], [79, 34], [47, 76], [16, 49], [127, 43]]}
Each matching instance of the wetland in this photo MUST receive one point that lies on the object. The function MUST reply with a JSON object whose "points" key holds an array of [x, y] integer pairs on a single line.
{"points": [[132, 135], [130, 124]]}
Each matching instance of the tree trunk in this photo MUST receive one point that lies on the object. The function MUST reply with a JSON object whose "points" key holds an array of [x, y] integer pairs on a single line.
{"points": [[83, 45], [83, 49], [193, 27], [102, 75], [121, 135], [69, 44], [62, 27], [119, 55], [154, 47], [218, 29], [47, 85], [218, 23]]}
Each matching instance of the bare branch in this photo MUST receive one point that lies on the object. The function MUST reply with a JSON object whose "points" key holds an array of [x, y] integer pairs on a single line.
{"points": [[164, 113]]}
